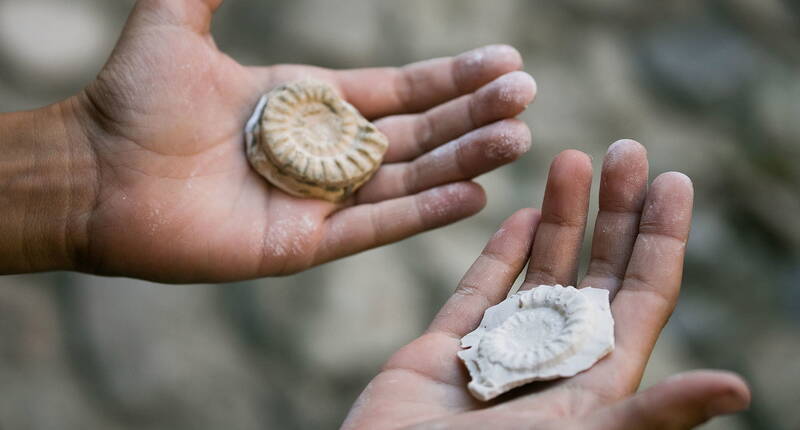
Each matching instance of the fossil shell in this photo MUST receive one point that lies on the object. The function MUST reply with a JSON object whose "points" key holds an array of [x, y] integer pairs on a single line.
{"points": [[544, 333], [309, 142]]}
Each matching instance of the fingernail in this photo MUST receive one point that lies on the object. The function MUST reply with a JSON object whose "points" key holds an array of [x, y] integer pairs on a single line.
{"points": [[724, 405]]}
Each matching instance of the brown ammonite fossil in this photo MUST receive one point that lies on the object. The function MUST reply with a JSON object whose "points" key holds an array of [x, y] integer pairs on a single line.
{"points": [[307, 141]]}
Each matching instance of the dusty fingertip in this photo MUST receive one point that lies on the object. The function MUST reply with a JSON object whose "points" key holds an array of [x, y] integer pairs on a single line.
{"points": [[504, 52], [625, 145], [673, 179], [625, 153], [451, 202], [470, 194], [527, 85], [511, 138], [500, 56], [475, 68], [517, 88]]}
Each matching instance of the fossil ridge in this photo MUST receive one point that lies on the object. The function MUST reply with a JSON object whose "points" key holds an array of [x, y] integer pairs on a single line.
{"points": [[309, 142], [544, 333]]}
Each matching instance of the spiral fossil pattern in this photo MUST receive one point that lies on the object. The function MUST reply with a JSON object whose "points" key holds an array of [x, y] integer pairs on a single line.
{"points": [[309, 142], [544, 333], [551, 325]]}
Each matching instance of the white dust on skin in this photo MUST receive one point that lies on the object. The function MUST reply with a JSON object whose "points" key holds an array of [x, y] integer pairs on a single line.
{"points": [[516, 89], [669, 214], [441, 201], [153, 217], [669, 208], [503, 145], [620, 150], [474, 60], [498, 234], [290, 235], [506, 146], [659, 253], [620, 156]]}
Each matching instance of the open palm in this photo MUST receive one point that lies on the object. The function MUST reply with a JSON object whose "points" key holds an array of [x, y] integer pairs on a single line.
{"points": [[176, 200], [637, 255]]}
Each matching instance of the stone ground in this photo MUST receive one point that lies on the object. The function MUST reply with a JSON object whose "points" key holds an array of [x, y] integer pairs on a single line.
{"points": [[709, 86]]}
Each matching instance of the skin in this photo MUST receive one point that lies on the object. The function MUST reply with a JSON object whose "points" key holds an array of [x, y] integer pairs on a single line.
{"points": [[143, 174], [157, 186], [637, 255]]}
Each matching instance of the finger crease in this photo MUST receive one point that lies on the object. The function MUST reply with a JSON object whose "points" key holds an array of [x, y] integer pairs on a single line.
{"points": [[376, 224], [468, 289], [403, 88], [409, 179], [459, 155], [635, 283], [471, 112], [424, 133], [620, 211], [602, 266], [566, 223], [643, 232], [543, 272], [419, 213]]}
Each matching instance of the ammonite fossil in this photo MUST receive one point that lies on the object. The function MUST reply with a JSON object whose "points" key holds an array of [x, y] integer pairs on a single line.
{"points": [[544, 333], [309, 142]]}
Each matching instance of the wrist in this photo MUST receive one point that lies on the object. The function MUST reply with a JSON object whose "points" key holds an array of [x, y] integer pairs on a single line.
{"points": [[47, 188]]}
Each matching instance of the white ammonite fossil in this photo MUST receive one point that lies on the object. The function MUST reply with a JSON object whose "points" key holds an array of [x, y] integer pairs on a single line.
{"points": [[309, 142], [544, 333]]}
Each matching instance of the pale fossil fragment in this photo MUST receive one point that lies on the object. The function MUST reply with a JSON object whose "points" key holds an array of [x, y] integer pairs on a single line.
{"points": [[309, 142], [544, 333]]}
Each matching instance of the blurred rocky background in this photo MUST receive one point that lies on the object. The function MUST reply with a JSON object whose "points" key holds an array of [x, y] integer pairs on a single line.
{"points": [[710, 87]]}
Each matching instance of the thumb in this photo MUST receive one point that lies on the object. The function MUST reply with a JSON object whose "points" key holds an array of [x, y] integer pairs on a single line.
{"points": [[682, 401], [192, 14]]}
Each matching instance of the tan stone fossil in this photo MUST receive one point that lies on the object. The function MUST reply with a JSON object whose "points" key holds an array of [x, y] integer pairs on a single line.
{"points": [[309, 142], [544, 333]]}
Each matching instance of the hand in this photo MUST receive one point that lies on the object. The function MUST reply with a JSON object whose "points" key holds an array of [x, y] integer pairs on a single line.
{"points": [[176, 200], [637, 255]]}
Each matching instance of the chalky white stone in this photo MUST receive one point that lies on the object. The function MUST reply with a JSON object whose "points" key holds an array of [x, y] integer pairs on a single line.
{"points": [[307, 141], [544, 333]]}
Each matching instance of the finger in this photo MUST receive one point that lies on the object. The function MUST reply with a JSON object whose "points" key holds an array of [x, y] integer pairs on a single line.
{"points": [[419, 86], [362, 227], [413, 135], [679, 402], [192, 14], [488, 280], [623, 187], [554, 257], [476, 153], [653, 278]]}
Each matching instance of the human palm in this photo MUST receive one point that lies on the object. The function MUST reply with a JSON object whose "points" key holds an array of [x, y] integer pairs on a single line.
{"points": [[178, 202], [637, 255]]}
